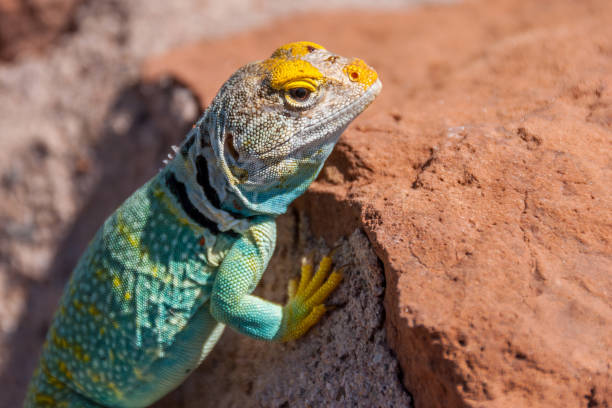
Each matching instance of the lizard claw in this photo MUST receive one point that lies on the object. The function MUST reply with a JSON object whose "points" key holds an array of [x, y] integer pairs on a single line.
{"points": [[305, 306]]}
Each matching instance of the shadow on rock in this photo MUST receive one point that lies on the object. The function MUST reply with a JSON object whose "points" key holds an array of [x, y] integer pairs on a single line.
{"points": [[144, 121]]}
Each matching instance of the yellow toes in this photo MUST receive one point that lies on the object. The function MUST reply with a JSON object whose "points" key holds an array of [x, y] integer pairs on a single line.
{"points": [[292, 288], [324, 291], [302, 327], [314, 317], [305, 276], [317, 280], [305, 307]]}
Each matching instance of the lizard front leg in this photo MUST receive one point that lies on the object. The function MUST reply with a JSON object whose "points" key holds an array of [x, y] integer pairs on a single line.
{"points": [[232, 303]]}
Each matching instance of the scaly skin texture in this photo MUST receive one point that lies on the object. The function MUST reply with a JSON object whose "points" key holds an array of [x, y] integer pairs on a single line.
{"points": [[179, 259]]}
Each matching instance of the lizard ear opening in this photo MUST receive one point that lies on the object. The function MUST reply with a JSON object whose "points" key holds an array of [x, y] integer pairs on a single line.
{"points": [[229, 146]]}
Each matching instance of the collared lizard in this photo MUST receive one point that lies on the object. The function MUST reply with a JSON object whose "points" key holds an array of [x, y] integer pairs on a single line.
{"points": [[179, 259]]}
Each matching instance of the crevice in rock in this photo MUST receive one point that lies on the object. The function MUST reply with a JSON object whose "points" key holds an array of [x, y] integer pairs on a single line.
{"points": [[536, 273], [532, 140], [417, 183], [591, 398], [415, 256]]}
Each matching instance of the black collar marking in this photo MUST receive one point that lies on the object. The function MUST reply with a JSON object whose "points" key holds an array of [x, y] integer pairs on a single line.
{"points": [[211, 194], [180, 192], [204, 181]]}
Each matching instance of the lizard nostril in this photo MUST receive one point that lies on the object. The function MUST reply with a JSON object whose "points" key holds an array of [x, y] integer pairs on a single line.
{"points": [[359, 72]]}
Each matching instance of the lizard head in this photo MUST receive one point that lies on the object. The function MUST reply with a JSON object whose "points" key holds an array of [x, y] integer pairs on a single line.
{"points": [[274, 122]]}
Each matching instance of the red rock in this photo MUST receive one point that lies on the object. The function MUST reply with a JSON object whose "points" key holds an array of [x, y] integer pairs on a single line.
{"points": [[482, 179]]}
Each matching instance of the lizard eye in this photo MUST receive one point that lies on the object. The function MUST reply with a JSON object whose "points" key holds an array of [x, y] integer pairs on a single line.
{"points": [[302, 93], [299, 94]]}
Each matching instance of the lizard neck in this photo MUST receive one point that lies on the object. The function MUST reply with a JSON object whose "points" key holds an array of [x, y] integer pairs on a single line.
{"points": [[198, 188], [200, 172]]}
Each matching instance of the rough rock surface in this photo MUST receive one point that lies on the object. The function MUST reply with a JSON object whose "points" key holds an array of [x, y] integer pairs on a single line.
{"points": [[482, 179]]}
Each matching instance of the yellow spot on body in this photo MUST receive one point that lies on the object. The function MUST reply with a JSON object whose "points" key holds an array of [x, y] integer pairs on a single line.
{"points": [[101, 274], [111, 355], [138, 373], [86, 358], [78, 305], [75, 349], [171, 207], [359, 71], [64, 370], [78, 385], [52, 381], [115, 325], [102, 331], [44, 399], [78, 352], [94, 311], [124, 230], [116, 282], [296, 49], [58, 341], [127, 296], [116, 390]]}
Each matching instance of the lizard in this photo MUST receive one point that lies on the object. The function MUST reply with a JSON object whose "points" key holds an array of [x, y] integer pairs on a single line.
{"points": [[178, 261]]}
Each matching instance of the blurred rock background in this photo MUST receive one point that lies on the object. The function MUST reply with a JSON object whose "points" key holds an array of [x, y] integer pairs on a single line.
{"points": [[473, 197]]}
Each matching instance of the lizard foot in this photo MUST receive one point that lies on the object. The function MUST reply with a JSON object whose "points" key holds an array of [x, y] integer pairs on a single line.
{"points": [[305, 305]]}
